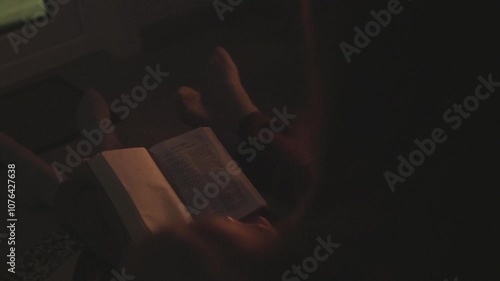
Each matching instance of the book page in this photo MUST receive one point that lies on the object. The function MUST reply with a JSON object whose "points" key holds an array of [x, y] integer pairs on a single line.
{"points": [[205, 176], [143, 198]]}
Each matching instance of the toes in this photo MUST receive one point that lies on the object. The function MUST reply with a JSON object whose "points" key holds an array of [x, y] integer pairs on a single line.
{"points": [[221, 56], [221, 64], [192, 109]]}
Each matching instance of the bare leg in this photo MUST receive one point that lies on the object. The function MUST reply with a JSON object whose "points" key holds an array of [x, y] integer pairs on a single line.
{"points": [[39, 181], [38, 184]]}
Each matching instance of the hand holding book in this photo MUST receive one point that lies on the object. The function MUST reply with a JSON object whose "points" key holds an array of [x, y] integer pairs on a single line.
{"points": [[151, 192]]}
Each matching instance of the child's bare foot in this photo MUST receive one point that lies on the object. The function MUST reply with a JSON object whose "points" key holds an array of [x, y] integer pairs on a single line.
{"points": [[223, 98], [92, 110], [223, 80]]}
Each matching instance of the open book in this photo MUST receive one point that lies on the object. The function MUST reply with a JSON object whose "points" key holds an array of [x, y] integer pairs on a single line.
{"points": [[179, 180]]}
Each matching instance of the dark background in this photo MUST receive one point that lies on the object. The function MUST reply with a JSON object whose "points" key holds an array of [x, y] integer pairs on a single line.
{"points": [[442, 221]]}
